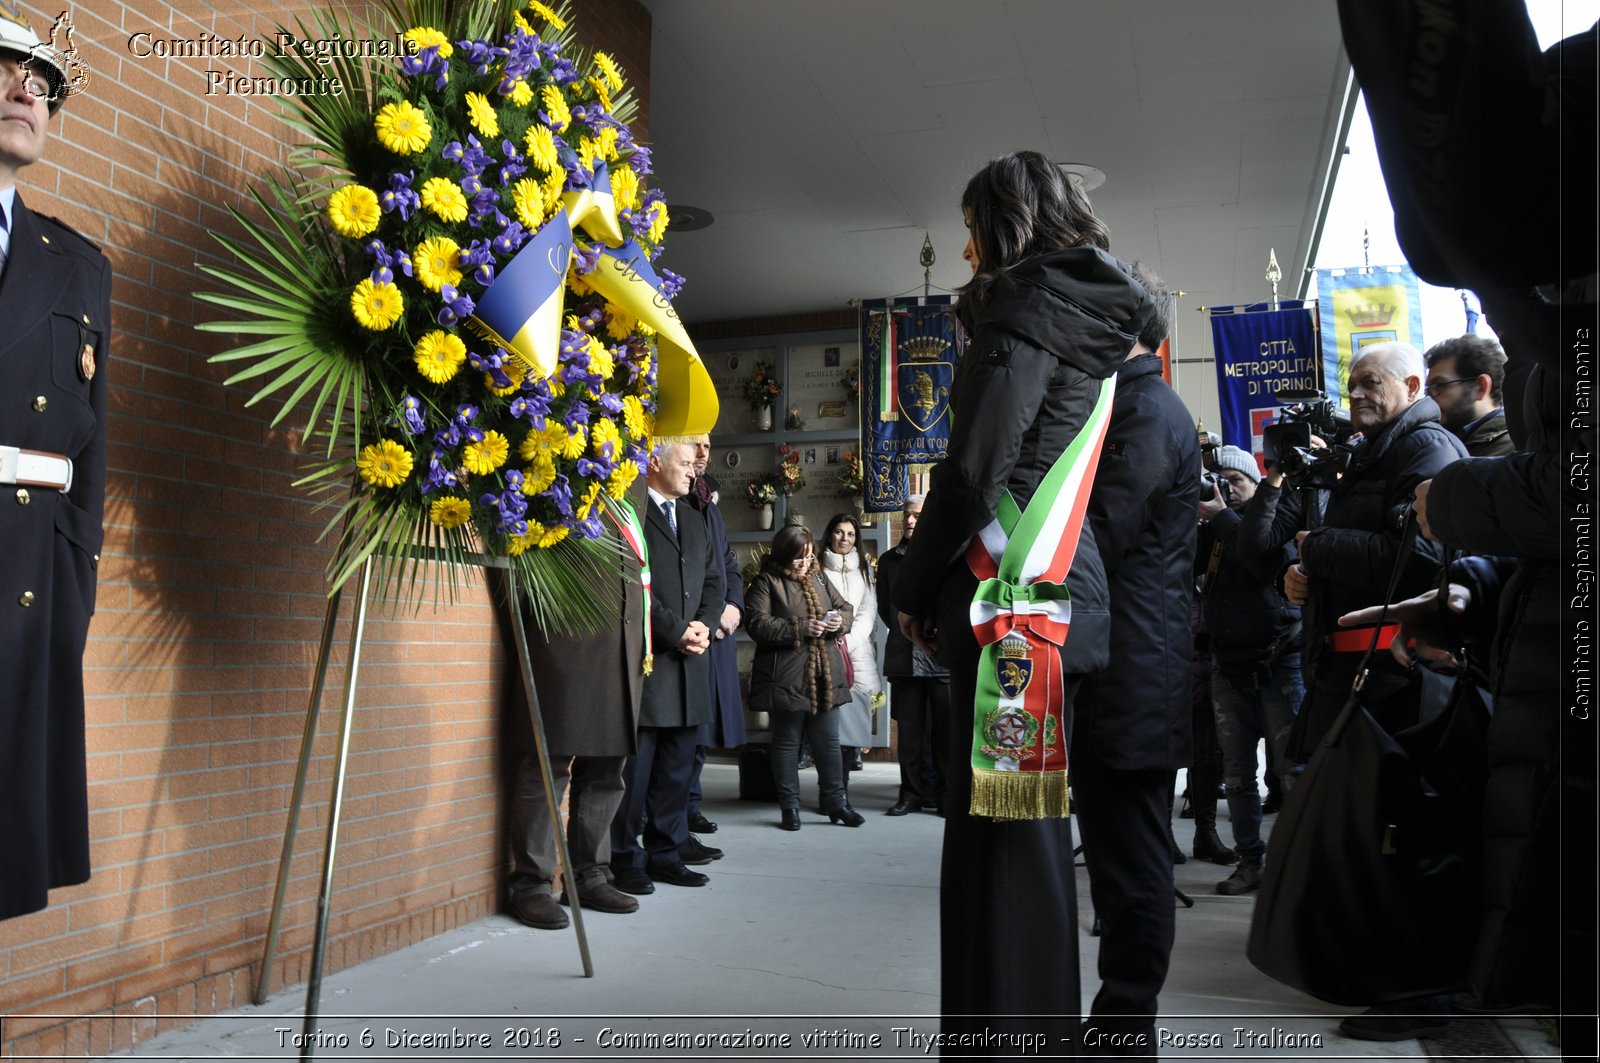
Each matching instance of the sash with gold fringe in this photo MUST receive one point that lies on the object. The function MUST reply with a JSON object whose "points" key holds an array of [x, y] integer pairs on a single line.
{"points": [[1020, 614]]}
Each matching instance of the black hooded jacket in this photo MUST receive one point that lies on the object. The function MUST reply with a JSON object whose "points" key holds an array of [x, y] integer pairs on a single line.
{"points": [[1040, 346]]}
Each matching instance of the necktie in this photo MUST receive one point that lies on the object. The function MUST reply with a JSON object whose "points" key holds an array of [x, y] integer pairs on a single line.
{"points": [[670, 508], [3, 243]]}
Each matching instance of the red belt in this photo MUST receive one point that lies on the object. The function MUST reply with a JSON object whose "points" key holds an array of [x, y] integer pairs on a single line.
{"points": [[1357, 639], [35, 468]]}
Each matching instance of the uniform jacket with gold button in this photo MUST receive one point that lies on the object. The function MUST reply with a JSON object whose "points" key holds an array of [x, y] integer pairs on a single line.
{"points": [[55, 317]]}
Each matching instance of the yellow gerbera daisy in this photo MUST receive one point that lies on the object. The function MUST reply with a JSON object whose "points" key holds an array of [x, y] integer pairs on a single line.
{"points": [[384, 464], [633, 417], [555, 20], [376, 306], [576, 284], [658, 222], [588, 151], [603, 431], [618, 482], [522, 24], [548, 537], [619, 323], [609, 70], [450, 512], [528, 200], [402, 128], [541, 145], [625, 188], [605, 143], [582, 512], [517, 545], [420, 37], [601, 364], [555, 185], [514, 370], [600, 93], [480, 112], [439, 355], [354, 211], [437, 261], [555, 108], [577, 442], [487, 455], [521, 91], [539, 473], [445, 198]]}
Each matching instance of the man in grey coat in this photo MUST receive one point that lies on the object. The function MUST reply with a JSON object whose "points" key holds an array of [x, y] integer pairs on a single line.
{"points": [[685, 606]]}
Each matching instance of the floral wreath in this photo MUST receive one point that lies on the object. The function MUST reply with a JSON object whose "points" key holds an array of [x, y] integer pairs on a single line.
{"points": [[468, 300]]}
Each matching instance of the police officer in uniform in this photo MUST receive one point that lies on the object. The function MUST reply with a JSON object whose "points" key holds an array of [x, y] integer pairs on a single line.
{"points": [[55, 303]]}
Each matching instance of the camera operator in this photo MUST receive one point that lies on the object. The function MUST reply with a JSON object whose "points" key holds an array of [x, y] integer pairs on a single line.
{"points": [[1256, 686], [1346, 562], [1465, 376]]}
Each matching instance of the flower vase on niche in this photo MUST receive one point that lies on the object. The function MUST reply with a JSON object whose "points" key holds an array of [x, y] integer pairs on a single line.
{"points": [[764, 418], [766, 517]]}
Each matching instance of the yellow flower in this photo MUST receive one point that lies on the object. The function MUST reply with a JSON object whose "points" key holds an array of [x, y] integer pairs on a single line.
{"points": [[633, 418], [601, 363], [521, 93], [555, 20], [577, 442], [480, 112], [541, 145], [437, 261], [588, 151], [515, 370], [604, 431], [376, 306], [555, 183], [517, 545], [600, 93], [625, 188], [619, 323], [555, 108], [522, 24], [439, 355], [576, 284], [420, 37], [609, 70], [540, 472], [353, 210], [450, 512], [582, 512], [548, 537], [618, 483], [445, 199], [658, 222], [605, 143], [484, 457], [528, 200], [384, 464], [402, 128]]}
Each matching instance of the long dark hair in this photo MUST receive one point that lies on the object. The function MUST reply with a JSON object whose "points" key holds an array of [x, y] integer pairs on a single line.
{"points": [[791, 541], [861, 554], [1018, 206]]}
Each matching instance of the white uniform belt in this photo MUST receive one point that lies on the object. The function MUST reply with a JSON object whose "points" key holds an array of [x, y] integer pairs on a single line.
{"points": [[35, 468]]}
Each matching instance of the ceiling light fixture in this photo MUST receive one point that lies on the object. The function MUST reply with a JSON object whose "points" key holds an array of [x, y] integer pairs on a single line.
{"points": [[686, 219], [1086, 177]]}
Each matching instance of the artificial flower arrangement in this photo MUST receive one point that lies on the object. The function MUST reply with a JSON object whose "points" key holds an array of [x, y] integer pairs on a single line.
{"points": [[851, 381], [761, 388], [851, 475], [785, 480], [465, 292], [761, 492]]}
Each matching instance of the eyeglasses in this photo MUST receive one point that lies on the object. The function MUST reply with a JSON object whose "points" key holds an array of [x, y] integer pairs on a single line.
{"points": [[34, 81], [1436, 386]]}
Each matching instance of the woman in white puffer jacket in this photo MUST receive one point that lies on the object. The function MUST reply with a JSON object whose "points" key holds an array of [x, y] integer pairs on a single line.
{"points": [[848, 570]]}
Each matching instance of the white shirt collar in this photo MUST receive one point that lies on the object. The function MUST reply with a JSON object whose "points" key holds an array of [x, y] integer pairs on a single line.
{"points": [[7, 209]]}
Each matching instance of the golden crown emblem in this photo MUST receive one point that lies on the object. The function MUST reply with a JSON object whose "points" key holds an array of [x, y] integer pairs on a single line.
{"points": [[1371, 315], [924, 348]]}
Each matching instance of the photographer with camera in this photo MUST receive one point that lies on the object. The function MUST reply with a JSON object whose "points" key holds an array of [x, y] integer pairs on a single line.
{"points": [[1346, 562], [1247, 537]]}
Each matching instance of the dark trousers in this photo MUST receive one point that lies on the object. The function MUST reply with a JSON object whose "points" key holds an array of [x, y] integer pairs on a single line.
{"points": [[922, 710], [821, 730], [1122, 818], [657, 802], [597, 791], [695, 793], [1008, 912]]}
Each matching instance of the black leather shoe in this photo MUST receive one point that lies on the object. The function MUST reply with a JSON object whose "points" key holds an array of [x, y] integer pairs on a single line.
{"points": [[846, 815], [635, 880], [791, 819], [902, 807], [538, 910], [677, 875], [1207, 846], [602, 897], [699, 824], [1274, 802], [694, 851], [1245, 878]]}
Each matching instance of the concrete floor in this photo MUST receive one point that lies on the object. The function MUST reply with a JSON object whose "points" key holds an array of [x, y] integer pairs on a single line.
{"points": [[829, 930]]}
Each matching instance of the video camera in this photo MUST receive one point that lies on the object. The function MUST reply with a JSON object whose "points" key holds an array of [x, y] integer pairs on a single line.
{"points": [[1286, 442]]}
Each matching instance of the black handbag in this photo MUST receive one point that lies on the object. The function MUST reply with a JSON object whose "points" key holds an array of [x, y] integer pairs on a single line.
{"points": [[1370, 893]]}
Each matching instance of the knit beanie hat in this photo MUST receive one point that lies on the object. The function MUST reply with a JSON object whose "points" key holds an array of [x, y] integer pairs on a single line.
{"points": [[1231, 457]]}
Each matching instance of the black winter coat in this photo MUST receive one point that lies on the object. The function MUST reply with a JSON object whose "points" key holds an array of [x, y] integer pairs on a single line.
{"points": [[1027, 384], [685, 585], [1246, 614], [1137, 713], [774, 617]]}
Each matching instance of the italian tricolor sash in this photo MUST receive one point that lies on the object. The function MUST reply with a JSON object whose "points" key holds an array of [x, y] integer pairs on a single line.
{"points": [[623, 516], [1021, 613]]}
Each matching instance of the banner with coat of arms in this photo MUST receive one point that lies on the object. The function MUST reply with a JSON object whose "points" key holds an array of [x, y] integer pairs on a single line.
{"points": [[1360, 307], [909, 350], [1259, 353]]}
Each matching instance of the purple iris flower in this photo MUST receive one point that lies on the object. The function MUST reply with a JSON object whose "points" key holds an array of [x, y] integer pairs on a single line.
{"points": [[611, 403], [671, 284], [641, 161], [492, 364], [560, 496], [480, 54], [589, 527], [522, 58], [562, 72], [511, 237], [427, 61], [439, 474], [399, 196], [411, 415], [453, 151], [470, 185], [585, 259], [594, 469], [448, 436], [577, 413], [458, 306]]}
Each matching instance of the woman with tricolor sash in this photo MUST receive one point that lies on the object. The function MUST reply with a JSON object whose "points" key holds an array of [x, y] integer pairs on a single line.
{"points": [[1004, 580]]}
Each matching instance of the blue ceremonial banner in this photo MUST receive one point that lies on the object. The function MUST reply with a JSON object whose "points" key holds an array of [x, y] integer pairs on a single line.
{"points": [[1261, 352], [1362, 307], [909, 351]]}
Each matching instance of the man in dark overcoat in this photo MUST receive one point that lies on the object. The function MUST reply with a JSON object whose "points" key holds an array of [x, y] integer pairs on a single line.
{"points": [[726, 730], [589, 693], [1133, 724], [685, 605], [55, 306]]}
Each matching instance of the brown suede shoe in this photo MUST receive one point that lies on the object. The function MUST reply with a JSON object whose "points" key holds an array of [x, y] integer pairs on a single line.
{"points": [[603, 897], [539, 910]]}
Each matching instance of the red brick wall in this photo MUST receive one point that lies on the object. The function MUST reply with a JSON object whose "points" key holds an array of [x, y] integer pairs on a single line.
{"points": [[212, 599]]}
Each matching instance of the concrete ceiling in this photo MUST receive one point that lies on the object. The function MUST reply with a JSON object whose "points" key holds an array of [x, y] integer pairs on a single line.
{"points": [[827, 136]]}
